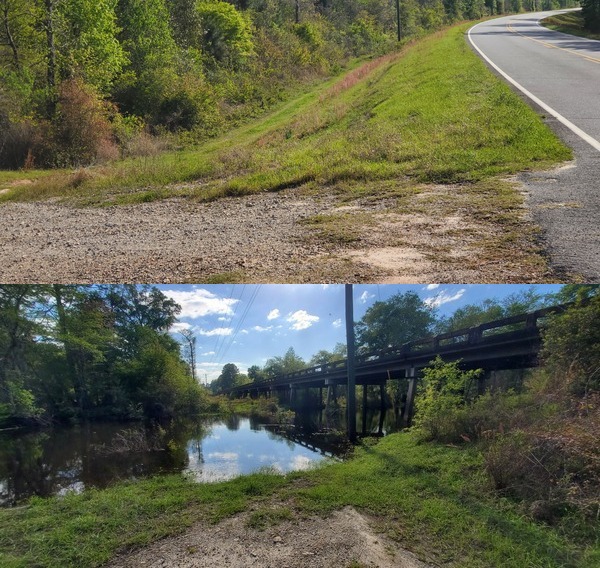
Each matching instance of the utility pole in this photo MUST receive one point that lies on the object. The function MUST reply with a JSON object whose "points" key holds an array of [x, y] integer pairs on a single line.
{"points": [[351, 390], [398, 19]]}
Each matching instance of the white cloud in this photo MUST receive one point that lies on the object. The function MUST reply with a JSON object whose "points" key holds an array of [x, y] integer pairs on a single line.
{"points": [[208, 354], [216, 331], [224, 319], [227, 456], [301, 320], [261, 328], [443, 298], [337, 323], [273, 314], [365, 297], [199, 302], [180, 326], [432, 286]]}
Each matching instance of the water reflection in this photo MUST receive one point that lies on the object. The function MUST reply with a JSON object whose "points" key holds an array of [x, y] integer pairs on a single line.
{"points": [[95, 455]]}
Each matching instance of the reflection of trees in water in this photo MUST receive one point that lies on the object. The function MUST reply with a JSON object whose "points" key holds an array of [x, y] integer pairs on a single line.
{"points": [[93, 455], [232, 422]]}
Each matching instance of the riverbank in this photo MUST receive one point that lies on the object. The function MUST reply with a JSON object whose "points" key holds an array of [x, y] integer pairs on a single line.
{"points": [[431, 499]]}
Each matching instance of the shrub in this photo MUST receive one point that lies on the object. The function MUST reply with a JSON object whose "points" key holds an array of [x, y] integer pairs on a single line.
{"points": [[442, 404], [81, 131], [18, 142]]}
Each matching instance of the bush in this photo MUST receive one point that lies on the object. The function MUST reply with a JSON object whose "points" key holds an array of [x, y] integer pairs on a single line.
{"points": [[18, 143], [442, 404], [81, 132]]}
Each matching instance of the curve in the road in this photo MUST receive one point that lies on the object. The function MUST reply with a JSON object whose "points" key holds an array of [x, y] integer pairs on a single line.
{"points": [[574, 128]]}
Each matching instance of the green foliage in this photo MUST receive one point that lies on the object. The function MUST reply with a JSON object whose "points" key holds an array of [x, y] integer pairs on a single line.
{"points": [[571, 349], [400, 319], [226, 34], [443, 402], [230, 377], [87, 44], [322, 357], [289, 363], [69, 352], [492, 309]]}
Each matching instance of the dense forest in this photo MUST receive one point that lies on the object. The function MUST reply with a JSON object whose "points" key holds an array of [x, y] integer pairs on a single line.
{"points": [[88, 81], [86, 352]]}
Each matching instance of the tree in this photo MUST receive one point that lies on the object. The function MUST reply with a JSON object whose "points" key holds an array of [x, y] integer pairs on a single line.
{"points": [[190, 350], [230, 377], [16, 343], [571, 350], [225, 32], [400, 319], [590, 10], [323, 356], [255, 373], [289, 363], [147, 39], [491, 309]]}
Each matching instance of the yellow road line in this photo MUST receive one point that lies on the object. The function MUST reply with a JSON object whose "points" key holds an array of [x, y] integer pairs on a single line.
{"points": [[551, 45]]}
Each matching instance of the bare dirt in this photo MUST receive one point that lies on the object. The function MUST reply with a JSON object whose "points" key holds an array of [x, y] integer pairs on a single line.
{"points": [[344, 539], [438, 237]]}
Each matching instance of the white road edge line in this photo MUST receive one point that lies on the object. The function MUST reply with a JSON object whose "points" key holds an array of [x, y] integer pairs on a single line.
{"points": [[583, 135]]}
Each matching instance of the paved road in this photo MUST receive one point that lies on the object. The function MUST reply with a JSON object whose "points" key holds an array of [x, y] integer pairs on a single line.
{"points": [[560, 76]]}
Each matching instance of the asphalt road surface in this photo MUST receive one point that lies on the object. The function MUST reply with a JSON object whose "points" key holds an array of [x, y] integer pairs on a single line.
{"points": [[559, 75]]}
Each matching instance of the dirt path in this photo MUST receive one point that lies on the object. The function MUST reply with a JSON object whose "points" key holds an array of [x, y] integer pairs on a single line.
{"points": [[290, 236], [342, 540]]}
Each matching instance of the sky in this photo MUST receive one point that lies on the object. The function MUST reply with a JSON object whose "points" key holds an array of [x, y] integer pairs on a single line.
{"points": [[247, 324]]}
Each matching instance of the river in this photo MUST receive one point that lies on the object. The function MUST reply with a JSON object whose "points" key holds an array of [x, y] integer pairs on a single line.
{"points": [[66, 459]]}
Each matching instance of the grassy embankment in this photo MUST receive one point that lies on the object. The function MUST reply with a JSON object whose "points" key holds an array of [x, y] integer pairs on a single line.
{"points": [[431, 114], [569, 23], [432, 499]]}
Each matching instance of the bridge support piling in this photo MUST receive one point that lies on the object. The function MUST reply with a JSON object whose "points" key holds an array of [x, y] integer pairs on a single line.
{"points": [[410, 397]]}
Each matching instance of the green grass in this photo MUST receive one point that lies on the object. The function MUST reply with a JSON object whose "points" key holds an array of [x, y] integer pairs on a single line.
{"points": [[433, 113], [432, 499], [569, 23]]}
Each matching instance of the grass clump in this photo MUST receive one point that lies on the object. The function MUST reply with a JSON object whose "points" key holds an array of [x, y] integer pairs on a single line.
{"points": [[432, 113]]}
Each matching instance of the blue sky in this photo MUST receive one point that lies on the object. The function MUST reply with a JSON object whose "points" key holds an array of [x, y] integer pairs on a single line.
{"points": [[247, 324]]}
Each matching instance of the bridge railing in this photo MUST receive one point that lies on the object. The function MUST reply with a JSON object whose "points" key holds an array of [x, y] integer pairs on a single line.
{"points": [[489, 331]]}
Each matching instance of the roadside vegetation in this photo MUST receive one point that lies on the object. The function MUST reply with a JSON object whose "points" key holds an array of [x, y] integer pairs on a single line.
{"points": [[572, 23], [87, 82], [430, 114]]}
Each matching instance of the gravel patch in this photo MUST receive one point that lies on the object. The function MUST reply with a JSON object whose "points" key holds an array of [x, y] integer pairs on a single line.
{"points": [[343, 539], [435, 237], [255, 237]]}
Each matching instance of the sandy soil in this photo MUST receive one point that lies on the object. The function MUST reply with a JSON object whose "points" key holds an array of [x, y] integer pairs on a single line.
{"points": [[258, 238], [342, 540]]}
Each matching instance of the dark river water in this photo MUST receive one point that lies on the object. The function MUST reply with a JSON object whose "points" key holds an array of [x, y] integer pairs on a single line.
{"points": [[60, 460]]}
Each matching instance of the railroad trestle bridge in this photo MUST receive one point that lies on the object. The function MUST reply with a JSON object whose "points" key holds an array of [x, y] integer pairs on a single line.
{"points": [[508, 343]]}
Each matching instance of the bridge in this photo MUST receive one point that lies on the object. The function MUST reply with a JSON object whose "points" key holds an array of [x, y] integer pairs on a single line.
{"points": [[508, 343]]}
